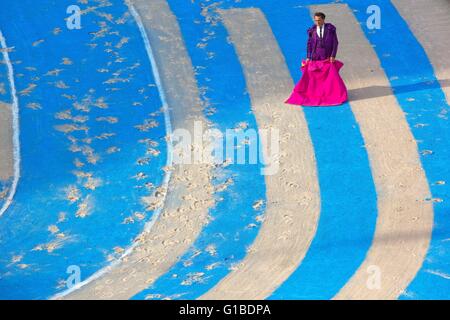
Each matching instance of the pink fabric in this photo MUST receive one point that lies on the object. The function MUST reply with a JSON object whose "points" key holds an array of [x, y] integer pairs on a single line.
{"points": [[320, 85]]}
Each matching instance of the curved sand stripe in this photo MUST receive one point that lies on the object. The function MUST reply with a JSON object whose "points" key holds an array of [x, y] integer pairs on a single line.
{"points": [[6, 142], [9, 133], [405, 219], [293, 195], [189, 193], [431, 26]]}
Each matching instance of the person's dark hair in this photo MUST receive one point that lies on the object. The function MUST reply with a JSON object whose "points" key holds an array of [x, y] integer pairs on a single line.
{"points": [[320, 14]]}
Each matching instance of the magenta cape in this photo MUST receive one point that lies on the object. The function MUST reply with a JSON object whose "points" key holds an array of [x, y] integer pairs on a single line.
{"points": [[320, 85]]}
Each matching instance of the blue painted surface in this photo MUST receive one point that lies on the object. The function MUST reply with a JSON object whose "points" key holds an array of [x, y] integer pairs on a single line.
{"points": [[348, 198], [422, 99], [346, 224], [29, 268], [233, 226], [321, 275]]}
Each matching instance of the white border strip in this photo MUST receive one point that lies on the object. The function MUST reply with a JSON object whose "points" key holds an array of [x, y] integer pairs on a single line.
{"points": [[169, 162], [15, 125]]}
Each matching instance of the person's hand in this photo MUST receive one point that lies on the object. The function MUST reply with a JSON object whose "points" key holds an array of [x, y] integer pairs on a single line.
{"points": [[307, 60], [332, 59]]}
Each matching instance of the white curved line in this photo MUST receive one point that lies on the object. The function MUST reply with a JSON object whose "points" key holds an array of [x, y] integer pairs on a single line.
{"points": [[168, 173], [15, 125]]}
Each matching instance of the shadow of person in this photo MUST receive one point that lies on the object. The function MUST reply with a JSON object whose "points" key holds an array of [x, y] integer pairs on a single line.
{"points": [[382, 91]]}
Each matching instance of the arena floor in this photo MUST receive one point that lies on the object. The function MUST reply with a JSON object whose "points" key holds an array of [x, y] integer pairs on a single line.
{"points": [[94, 205]]}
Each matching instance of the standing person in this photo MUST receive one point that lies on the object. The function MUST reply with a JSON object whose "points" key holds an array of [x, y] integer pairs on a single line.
{"points": [[322, 40], [321, 84]]}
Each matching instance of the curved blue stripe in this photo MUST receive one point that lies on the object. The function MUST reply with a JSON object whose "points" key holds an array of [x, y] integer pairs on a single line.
{"points": [[348, 196], [421, 97], [233, 225], [29, 268]]}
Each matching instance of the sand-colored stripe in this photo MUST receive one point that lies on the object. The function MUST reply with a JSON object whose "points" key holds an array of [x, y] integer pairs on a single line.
{"points": [[6, 142], [293, 195], [405, 218], [190, 192], [430, 23], [9, 136]]}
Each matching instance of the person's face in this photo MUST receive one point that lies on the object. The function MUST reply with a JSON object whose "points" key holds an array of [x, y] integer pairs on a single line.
{"points": [[319, 21]]}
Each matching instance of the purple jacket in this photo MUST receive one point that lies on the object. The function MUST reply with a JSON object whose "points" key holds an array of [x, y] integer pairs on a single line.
{"points": [[318, 49]]}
